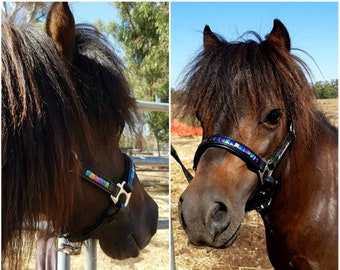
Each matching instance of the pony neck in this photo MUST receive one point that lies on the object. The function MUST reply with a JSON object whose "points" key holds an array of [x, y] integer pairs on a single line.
{"points": [[306, 200]]}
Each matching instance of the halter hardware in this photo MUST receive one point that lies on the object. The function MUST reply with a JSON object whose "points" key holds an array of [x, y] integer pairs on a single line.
{"points": [[122, 191], [67, 247], [267, 184], [117, 193]]}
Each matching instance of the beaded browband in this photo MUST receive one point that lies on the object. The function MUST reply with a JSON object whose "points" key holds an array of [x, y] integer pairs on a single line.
{"points": [[238, 149]]}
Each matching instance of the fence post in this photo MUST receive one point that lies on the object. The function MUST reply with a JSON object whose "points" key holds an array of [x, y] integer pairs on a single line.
{"points": [[63, 260], [90, 254]]}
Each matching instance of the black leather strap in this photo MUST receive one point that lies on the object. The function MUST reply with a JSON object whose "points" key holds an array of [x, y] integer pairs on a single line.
{"points": [[116, 209], [112, 213], [283, 147], [253, 161]]}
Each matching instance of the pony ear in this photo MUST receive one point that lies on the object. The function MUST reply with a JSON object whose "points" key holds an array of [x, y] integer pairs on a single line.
{"points": [[209, 38], [60, 27], [279, 35]]}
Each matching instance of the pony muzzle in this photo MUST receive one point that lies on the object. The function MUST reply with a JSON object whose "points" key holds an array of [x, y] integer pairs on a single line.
{"points": [[207, 220]]}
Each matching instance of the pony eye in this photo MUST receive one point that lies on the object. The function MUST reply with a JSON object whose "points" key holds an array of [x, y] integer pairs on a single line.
{"points": [[273, 117]]}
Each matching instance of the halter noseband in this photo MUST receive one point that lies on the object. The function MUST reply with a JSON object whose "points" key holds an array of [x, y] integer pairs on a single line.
{"points": [[116, 208], [267, 184], [114, 190]]}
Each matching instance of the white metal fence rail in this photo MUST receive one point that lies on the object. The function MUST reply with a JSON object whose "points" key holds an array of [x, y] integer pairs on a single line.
{"points": [[63, 260]]}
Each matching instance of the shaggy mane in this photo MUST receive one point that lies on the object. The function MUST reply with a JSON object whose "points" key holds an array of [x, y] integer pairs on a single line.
{"points": [[101, 82], [50, 109], [41, 121], [220, 78]]}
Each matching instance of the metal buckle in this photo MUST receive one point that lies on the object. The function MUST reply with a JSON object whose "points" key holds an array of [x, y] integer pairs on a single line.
{"points": [[70, 248], [115, 199], [266, 171]]}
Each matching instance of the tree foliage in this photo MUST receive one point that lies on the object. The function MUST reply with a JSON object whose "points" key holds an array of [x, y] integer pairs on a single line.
{"points": [[326, 89], [144, 35], [25, 12]]}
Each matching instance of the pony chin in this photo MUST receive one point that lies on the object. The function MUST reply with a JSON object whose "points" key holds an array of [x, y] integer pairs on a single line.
{"points": [[125, 245], [120, 252], [124, 238], [122, 245]]}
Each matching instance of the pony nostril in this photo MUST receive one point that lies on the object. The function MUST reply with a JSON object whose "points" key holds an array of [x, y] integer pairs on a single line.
{"points": [[219, 218], [221, 207], [219, 212], [181, 216]]}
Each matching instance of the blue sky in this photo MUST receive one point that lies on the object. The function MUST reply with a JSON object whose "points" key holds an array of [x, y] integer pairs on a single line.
{"points": [[89, 12], [313, 27]]}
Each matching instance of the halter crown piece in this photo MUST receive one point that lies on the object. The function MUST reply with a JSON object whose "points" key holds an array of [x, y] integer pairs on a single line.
{"points": [[119, 193], [267, 185]]}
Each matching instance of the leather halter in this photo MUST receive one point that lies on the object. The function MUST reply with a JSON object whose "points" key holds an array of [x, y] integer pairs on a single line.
{"points": [[115, 191], [267, 185]]}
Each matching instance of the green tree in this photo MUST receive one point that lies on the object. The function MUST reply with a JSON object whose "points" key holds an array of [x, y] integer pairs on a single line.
{"points": [[144, 36], [326, 89]]}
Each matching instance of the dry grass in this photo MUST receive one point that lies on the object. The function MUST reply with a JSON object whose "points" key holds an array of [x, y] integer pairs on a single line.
{"points": [[330, 108]]}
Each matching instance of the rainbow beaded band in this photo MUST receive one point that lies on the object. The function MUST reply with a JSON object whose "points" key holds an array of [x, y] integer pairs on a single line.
{"points": [[115, 190], [239, 149], [235, 144], [97, 179]]}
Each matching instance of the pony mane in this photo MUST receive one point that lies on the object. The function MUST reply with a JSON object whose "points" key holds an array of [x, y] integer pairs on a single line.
{"points": [[102, 84], [42, 118], [220, 78], [47, 105]]}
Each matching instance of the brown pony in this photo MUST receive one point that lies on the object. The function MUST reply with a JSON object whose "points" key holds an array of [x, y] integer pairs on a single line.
{"points": [[265, 147], [65, 102]]}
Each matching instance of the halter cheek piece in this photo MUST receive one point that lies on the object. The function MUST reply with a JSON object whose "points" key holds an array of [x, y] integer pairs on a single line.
{"points": [[119, 193], [267, 185]]}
